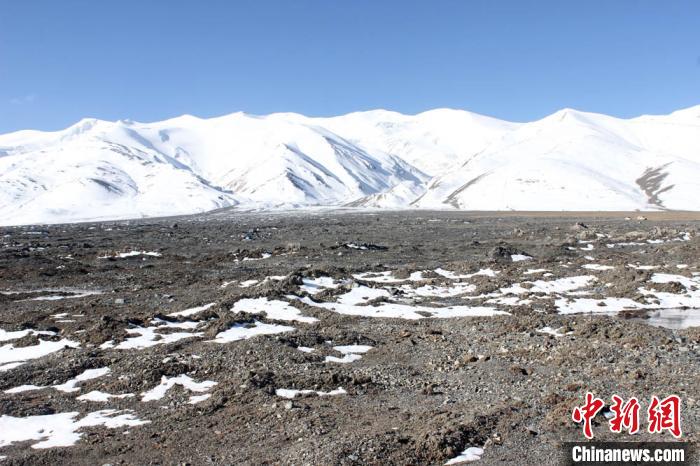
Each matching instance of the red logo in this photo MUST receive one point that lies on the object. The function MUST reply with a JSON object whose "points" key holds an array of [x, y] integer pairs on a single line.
{"points": [[662, 415]]}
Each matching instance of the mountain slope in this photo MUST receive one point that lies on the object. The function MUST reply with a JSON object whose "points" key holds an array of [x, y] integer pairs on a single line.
{"points": [[442, 158]]}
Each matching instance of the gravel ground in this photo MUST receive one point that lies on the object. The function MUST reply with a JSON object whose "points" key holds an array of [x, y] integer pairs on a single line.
{"points": [[426, 390]]}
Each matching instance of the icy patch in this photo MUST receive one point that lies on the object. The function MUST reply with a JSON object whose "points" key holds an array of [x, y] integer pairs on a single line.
{"points": [[470, 454], [192, 311], [560, 285], [554, 332], [316, 285], [149, 336], [433, 291], [73, 295], [455, 276], [101, 397], [166, 383], [245, 331], [273, 309], [68, 387], [16, 335], [534, 271], [305, 349], [248, 283], [10, 354], [124, 255], [291, 393], [598, 267], [350, 353], [674, 318], [60, 430], [265, 255], [643, 267], [387, 277], [520, 257], [194, 399]]}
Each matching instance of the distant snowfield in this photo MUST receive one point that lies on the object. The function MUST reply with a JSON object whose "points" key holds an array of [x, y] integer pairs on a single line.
{"points": [[440, 159]]}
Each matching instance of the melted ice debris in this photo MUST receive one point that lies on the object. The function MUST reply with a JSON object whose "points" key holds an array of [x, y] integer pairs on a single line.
{"points": [[149, 336], [350, 353], [553, 331], [124, 255], [166, 383], [273, 309], [520, 257], [192, 311], [244, 331], [316, 285], [599, 267], [290, 393], [60, 430], [560, 285], [10, 354], [248, 283], [101, 397], [470, 454], [7, 336]]}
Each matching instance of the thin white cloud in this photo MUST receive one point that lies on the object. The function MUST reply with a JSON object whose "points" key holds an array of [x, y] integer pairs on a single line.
{"points": [[26, 99]]}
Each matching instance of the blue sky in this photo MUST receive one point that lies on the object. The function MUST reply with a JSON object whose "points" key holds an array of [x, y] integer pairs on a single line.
{"points": [[61, 60]]}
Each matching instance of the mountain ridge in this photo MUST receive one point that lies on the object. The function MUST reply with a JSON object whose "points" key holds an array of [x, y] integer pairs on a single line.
{"points": [[440, 158]]}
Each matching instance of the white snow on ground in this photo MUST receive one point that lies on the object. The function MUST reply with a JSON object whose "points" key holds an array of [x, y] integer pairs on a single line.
{"points": [[350, 353], [192, 311], [674, 318], [69, 386], [535, 271], [101, 397], [666, 301], [124, 255], [553, 331], [642, 267], [75, 295], [318, 284], [273, 309], [265, 255], [599, 267], [437, 291], [60, 430], [10, 354], [245, 331], [387, 277], [290, 393], [248, 283], [470, 454], [15, 335], [560, 285], [150, 336], [305, 349], [455, 276], [351, 302], [166, 383], [194, 399], [520, 257]]}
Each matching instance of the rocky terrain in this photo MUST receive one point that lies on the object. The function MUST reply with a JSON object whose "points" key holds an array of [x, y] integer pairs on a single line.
{"points": [[329, 337]]}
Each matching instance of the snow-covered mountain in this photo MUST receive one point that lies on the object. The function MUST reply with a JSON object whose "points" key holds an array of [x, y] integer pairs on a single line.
{"points": [[437, 159]]}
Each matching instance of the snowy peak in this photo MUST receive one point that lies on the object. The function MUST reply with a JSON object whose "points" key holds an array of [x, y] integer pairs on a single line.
{"points": [[442, 158]]}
